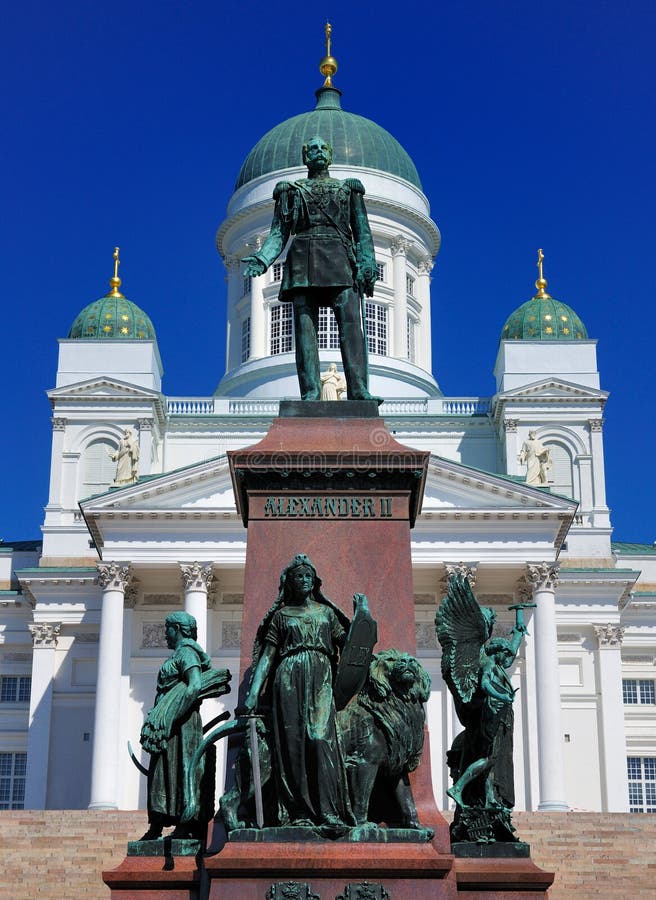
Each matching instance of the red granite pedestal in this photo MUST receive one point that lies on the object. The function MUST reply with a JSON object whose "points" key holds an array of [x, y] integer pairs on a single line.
{"points": [[346, 493]]}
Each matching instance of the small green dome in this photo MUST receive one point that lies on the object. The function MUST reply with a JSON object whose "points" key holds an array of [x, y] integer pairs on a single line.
{"points": [[113, 316], [356, 141], [544, 319]]}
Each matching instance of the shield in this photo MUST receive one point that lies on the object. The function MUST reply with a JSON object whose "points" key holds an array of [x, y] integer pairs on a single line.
{"points": [[354, 662]]}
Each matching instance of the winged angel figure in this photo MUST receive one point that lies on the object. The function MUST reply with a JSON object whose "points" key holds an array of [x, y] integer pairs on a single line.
{"points": [[474, 666]]}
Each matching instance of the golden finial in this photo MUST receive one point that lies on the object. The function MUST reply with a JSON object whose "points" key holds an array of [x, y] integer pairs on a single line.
{"points": [[115, 281], [328, 65], [541, 282]]}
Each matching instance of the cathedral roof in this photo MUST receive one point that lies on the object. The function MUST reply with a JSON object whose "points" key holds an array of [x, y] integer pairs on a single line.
{"points": [[113, 316], [543, 318], [356, 141]]}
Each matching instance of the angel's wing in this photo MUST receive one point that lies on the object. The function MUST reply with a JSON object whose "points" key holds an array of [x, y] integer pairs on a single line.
{"points": [[461, 631]]}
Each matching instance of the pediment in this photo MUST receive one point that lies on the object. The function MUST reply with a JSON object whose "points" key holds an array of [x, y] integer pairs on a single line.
{"points": [[202, 487], [553, 389], [450, 486], [105, 388]]}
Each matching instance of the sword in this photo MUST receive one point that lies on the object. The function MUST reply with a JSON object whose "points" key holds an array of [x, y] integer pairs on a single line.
{"points": [[255, 766]]}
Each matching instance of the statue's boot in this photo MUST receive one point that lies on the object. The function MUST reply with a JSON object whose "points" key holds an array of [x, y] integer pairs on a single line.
{"points": [[307, 350]]}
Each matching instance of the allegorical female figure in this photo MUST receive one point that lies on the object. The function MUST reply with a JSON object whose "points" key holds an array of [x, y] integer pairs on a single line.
{"points": [[295, 653], [126, 457], [173, 730]]}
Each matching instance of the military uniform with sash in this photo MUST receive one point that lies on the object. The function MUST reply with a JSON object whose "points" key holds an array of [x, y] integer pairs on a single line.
{"points": [[331, 262]]}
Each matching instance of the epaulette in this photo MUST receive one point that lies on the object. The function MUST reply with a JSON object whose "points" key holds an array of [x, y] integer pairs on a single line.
{"points": [[355, 184], [280, 187]]}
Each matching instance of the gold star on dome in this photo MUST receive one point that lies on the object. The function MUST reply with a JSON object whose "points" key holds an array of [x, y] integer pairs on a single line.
{"points": [[107, 328], [547, 318], [549, 329], [108, 315], [531, 318], [140, 334], [124, 330], [563, 318], [124, 318], [565, 330]]}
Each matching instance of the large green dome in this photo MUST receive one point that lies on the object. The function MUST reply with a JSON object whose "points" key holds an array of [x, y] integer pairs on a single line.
{"points": [[113, 316], [543, 318], [356, 141]]}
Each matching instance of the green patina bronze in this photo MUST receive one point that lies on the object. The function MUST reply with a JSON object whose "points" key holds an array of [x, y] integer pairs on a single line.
{"points": [[331, 262], [480, 759], [173, 730], [322, 771]]}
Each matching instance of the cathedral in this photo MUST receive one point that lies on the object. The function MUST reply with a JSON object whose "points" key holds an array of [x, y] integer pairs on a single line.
{"points": [[141, 517]]}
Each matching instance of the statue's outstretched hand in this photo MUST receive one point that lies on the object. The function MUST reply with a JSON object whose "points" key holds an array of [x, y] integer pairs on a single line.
{"points": [[254, 267]]}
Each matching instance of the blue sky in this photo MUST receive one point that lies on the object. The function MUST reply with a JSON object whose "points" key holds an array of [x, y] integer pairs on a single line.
{"points": [[531, 125]]}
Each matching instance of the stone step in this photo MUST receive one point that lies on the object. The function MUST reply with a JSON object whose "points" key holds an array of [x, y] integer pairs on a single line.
{"points": [[59, 855]]}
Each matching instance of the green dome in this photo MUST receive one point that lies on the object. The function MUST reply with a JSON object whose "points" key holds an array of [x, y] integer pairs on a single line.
{"points": [[113, 316], [356, 141], [544, 319]]}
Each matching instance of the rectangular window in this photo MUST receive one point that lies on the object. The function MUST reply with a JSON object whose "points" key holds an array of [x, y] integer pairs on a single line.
{"points": [[376, 322], [411, 339], [409, 285], [380, 271], [638, 691], [328, 336], [245, 338], [642, 783], [282, 330], [15, 688], [12, 780], [246, 286], [277, 271]]}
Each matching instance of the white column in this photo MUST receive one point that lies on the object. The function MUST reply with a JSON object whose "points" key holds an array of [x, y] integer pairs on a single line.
{"points": [[512, 447], [598, 475], [424, 343], [613, 761], [399, 247], [258, 329], [44, 638], [197, 580], [114, 579], [234, 267], [55, 495], [145, 445], [544, 579]]}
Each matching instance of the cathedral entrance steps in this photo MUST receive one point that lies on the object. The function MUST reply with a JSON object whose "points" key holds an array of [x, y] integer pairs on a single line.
{"points": [[59, 855]]}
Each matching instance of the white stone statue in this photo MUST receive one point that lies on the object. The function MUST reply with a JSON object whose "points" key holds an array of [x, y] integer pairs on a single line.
{"points": [[126, 458], [537, 458], [333, 384]]}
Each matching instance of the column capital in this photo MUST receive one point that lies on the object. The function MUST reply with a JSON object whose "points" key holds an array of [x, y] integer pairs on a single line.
{"points": [[596, 424], [425, 265], [609, 635], [510, 425], [399, 245], [130, 595], [232, 263], [196, 577], [145, 424], [543, 576], [45, 634], [465, 570], [59, 423], [114, 576]]}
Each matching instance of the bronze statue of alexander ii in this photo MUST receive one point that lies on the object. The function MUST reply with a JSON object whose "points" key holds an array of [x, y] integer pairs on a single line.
{"points": [[331, 262]]}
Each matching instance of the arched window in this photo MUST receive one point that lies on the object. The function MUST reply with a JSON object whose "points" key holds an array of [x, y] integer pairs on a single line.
{"points": [[98, 469], [561, 475]]}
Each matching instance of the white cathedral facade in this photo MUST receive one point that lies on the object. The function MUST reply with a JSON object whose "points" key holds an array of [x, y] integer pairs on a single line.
{"points": [[81, 624]]}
